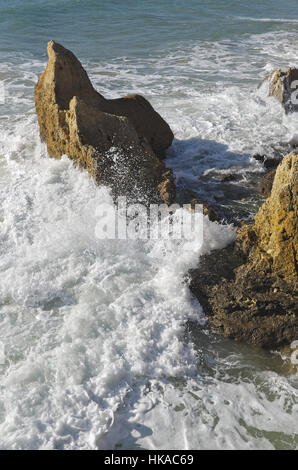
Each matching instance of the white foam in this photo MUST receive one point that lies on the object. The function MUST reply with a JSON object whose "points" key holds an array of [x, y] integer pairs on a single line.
{"points": [[83, 318], [267, 20], [94, 330]]}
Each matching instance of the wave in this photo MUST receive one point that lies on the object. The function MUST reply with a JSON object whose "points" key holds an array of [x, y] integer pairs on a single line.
{"points": [[266, 20]]}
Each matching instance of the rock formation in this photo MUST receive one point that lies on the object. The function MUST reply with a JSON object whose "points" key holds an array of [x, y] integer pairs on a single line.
{"points": [[207, 209], [249, 289], [120, 142], [266, 183], [282, 86], [269, 163]]}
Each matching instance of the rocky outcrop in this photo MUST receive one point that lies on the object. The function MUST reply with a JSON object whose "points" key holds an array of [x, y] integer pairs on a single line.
{"points": [[281, 86], [228, 177], [269, 163], [249, 289], [207, 209], [120, 142]]}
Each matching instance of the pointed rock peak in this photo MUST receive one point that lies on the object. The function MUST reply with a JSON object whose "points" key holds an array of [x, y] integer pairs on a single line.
{"points": [[68, 76], [56, 48], [77, 121]]}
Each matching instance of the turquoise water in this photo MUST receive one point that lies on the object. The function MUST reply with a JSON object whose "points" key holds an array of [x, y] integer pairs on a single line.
{"points": [[96, 352], [108, 29]]}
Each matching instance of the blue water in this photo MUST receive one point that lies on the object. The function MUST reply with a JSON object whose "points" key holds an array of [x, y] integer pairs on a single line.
{"points": [[108, 29], [96, 355]]}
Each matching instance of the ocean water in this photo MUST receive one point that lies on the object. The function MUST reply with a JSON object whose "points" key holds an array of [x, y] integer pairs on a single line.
{"points": [[97, 351]]}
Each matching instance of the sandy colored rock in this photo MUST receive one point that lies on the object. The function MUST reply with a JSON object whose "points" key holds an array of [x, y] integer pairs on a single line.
{"points": [[281, 86], [276, 223], [120, 142], [249, 289], [266, 183]]}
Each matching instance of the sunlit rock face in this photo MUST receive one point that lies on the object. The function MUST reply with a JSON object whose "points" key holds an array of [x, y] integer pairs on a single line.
{"points": [[120, 142], [283, 86]]}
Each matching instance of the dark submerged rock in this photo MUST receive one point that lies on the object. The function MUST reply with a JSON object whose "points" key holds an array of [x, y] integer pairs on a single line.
{"points": [[249, 289], [269, 163]]}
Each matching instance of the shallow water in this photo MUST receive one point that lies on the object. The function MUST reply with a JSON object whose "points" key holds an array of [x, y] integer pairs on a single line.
{"points": [[97, 351]]}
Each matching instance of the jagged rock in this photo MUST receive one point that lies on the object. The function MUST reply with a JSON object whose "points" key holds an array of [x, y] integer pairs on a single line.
{"points": [[207, 209], [269, 163], [120, 142], [228, 177], [276, 221], [281, 86], [266, 183], [249, 289]]}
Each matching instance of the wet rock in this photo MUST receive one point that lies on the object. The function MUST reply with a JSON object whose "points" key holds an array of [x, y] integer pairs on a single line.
{"points": [[266, 183], [281, 86], [207, 209], [226, 178], [249, 289], [186, 196], [120, 142], [269, 163]]}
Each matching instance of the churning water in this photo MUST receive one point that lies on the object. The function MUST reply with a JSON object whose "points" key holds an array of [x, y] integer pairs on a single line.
{"points": [[97, 355]]}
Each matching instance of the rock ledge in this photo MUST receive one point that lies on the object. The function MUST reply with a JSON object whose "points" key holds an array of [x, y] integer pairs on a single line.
{"points": [[249, 289]]}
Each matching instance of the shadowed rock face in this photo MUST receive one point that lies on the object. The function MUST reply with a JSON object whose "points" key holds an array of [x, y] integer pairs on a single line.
{"points": [[249, 289], [120, 142], [281, 86], [266, 183]]}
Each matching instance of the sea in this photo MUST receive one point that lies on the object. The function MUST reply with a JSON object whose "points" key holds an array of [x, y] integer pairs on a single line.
{"points": [[95, 347]]}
